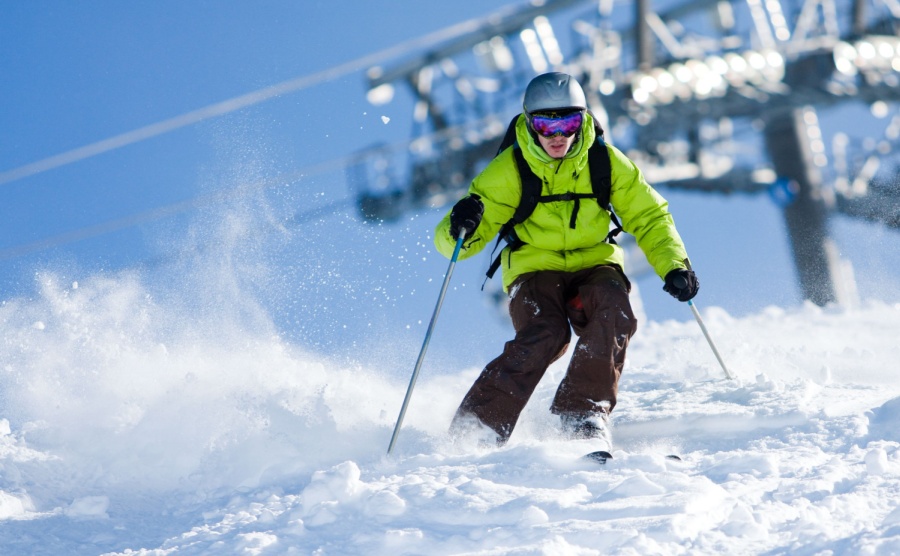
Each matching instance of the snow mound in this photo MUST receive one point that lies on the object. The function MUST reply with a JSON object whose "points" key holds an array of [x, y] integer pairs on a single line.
{"points": [[135, 426]]}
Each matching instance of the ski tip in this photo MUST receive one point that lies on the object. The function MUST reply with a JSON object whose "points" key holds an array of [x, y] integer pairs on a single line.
{"points": [[674, 457], [600, 456]]}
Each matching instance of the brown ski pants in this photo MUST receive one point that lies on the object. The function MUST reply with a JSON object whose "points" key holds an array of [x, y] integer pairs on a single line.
{"points": [[542, 306]]}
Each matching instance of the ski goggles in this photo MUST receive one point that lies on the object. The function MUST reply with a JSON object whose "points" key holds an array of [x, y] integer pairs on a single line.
{"points": [[549, 125]]}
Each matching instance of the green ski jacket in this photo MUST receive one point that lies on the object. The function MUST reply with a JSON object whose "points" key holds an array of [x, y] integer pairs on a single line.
{"points": [[550, 242]]}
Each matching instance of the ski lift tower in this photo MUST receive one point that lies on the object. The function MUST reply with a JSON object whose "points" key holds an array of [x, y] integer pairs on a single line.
{"points": [[709, 96]]}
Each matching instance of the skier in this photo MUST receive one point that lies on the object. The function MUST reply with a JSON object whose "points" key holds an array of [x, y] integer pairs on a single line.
{"points": [[563, 274]]}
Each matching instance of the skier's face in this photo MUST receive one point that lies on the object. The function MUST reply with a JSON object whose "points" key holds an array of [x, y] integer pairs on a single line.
{"points": [[556, 132], [556, 146]]}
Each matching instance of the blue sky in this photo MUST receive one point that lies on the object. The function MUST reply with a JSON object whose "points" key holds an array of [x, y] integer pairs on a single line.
{"points": [[80, 72]]}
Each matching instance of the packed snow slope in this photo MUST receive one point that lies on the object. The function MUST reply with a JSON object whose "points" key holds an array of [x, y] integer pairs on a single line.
{"points": [[129, 428]]}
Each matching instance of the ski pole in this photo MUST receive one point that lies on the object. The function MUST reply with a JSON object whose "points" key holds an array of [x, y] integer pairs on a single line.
{"points": [[681, 282], [709, 339], [434, 316]]}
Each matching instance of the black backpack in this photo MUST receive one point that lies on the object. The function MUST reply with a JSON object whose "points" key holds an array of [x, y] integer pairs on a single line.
{"points": [[601, 183]]}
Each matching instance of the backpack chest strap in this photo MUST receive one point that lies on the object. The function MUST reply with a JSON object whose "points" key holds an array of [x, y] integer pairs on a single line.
{"points": [[569, 197]]}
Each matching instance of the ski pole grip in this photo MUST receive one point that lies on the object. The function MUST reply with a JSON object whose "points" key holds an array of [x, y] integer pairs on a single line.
{"points": [[679, 282]]}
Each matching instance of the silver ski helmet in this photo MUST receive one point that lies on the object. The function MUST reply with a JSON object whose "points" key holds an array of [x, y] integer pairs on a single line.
{"points": [[554, 92]]}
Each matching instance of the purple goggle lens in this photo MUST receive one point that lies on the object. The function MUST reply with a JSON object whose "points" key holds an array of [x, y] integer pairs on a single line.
{"points": [[548, 126]]}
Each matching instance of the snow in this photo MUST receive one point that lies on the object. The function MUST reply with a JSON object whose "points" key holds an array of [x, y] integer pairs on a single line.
{"points": [[132, 425]]}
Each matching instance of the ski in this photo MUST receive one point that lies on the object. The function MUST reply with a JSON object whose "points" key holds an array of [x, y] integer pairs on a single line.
{"points": [[601, 457], [603, 432]]}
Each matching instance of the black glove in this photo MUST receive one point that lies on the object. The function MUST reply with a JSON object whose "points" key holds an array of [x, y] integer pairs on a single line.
{"points": [[466, 215], [682, 284]]}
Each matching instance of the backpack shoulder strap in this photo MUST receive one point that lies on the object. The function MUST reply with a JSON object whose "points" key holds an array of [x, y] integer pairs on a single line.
{"points": [[509, 138], [601, 181], [531, 188], [601, 172], [531, 192], [531, 184]]}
